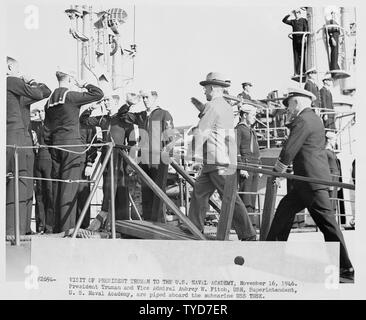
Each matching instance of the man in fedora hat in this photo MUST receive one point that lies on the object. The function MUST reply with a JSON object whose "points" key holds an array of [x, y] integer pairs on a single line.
{"points": [[311, 85], [326, 99], [248, 154], [245, 94], [215, 135], [305, 149], [61, 127], [298, 24]]}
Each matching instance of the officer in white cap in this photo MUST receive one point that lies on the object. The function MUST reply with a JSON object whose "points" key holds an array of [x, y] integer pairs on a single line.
{"points": [[62, 128], [305, 149]]}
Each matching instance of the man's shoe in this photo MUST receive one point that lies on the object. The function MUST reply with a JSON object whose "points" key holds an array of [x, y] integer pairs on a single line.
{"points": [[346, 275]]}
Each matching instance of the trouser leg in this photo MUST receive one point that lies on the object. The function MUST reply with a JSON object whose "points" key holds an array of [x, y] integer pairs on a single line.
{"points": [[17, 138], [46, 167], [147, 193], [40, 209], [30, 187], [241, 221], [320, 210], [83, 194], [202, 190], [283, 219], [70, 170]]}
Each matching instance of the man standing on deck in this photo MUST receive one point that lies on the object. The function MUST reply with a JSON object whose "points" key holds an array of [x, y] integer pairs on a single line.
{"points": [[298, 24], [305, 148], [62, 128], [215, 135], [20, 93]]}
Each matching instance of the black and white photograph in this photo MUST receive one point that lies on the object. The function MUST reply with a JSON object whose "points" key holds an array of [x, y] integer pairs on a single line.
{"points": [[182, 150]]}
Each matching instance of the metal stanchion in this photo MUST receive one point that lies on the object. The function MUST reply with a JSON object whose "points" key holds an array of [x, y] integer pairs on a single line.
{"points": [[112, 206], [16, 198], [95, 187]]}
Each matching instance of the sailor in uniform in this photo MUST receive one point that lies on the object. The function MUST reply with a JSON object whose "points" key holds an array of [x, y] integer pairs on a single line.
{"points": [[17, 126], [62, 128], [248, 154]]}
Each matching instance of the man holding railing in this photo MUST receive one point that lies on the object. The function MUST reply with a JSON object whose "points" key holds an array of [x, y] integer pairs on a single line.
{"points": [[305, 148]]}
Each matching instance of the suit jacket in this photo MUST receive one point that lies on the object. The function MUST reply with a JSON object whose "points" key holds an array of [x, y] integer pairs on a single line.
{"points": [[305, 148], [326, 98]]}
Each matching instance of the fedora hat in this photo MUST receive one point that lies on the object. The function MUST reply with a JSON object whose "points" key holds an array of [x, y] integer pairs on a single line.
{"points": [[292, 92], [216, 78]]}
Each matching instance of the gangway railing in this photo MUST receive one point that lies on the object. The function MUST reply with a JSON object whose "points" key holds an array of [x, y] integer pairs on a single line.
{"points": [[228, 197]]}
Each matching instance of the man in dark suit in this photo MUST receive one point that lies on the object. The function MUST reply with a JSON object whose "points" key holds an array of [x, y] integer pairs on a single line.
{"points": [[298, 25], [20, 93], [305, 148], [42, 169], [311, 85], [326, 100]]}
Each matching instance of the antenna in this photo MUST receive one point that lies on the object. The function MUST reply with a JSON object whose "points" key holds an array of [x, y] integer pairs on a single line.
{"points": [[134, 40]]}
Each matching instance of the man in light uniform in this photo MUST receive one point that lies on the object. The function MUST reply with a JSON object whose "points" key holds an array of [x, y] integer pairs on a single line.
{"points": [[215, 135]]}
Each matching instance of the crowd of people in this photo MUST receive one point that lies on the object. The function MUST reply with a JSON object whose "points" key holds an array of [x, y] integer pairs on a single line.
{"points": [[62, 156]]}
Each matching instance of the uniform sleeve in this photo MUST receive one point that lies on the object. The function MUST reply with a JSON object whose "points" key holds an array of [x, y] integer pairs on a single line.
{"points": [[87, 120], [285, 20], [306, 25], [298, 134], [239, 139], [20, 88], [80, 98], [46, 92]]}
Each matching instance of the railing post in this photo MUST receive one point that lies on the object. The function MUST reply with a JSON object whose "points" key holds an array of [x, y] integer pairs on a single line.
{"points": [[112, 206], [16, 198], [91, 195], [268, 207]]}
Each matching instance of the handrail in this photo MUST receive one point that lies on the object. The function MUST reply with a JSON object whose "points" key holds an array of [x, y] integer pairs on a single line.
{"points": [[297, 177]]}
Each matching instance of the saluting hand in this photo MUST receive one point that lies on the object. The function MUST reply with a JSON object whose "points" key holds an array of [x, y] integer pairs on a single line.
{"points": [[198, 104]]}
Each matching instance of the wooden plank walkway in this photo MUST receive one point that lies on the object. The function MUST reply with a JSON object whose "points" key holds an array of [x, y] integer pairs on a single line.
{"points": [[151, 230]]}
